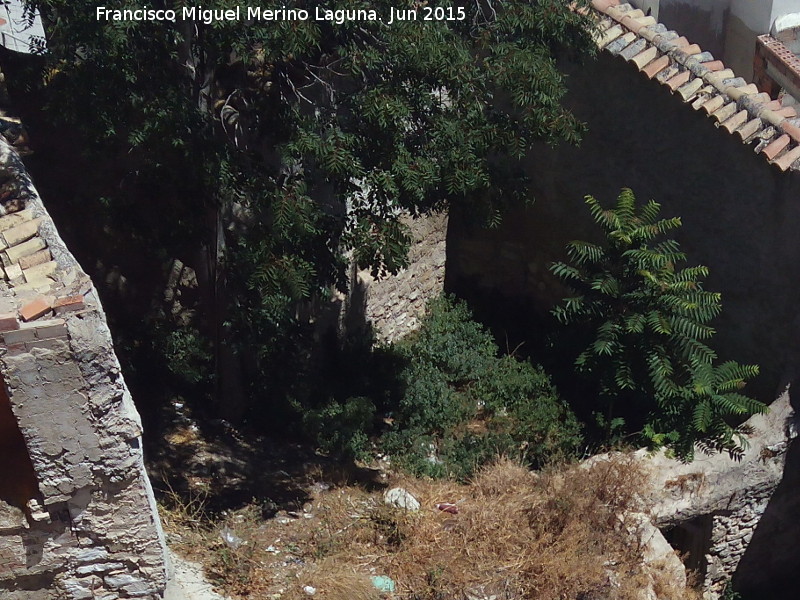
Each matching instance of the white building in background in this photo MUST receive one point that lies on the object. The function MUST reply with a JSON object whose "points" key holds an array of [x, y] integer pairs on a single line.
{"points": [[726, 28], [20, 29]]}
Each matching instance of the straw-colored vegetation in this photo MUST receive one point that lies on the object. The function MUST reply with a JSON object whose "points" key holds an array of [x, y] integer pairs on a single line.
{"points": [[515, 534]]}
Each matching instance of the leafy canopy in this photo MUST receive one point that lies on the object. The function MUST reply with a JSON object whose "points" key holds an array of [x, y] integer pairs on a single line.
{"points": [[648, 323], [282, 148]]}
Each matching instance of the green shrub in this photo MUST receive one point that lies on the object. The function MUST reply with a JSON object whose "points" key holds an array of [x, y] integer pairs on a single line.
{"points": [[451, 403], [343, 428], [647, 325], [461, 405]]}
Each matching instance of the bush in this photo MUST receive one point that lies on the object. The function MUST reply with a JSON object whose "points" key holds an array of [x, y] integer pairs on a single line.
{"points": [[451, 404], [646, 322], [461, 405], [343, 428]]}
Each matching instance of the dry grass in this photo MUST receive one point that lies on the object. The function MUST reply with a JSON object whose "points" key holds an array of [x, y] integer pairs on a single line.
{"points": [[554, 535]]}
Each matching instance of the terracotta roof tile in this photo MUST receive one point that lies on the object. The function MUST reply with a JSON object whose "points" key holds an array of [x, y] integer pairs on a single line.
{"points": [[687, 51], [776, 146], [752, 127], [645, 57], [680, 42], [736, 121], [615, 12], [755, 103], [700, 81], [651, 32], [714, 104], [703, 57], [725, 113], [668, 73], [772, 117], [791, 130], [738, 90], [609, 36], [622, 42], [705, 95], [662, 41], [634, 49], [602, 5], [678, 80], [656, 66], [718, 77], [689, 90], [786, 160]]}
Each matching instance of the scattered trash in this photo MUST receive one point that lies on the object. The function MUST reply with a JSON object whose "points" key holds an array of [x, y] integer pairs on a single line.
{"points": [[310, 590], [383, 584], [448, 507], [230, 538], [400, 498], [273, 550]]}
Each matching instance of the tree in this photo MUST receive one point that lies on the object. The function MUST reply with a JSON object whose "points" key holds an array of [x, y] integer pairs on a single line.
{"points": [[648, 321], [262, 153]]}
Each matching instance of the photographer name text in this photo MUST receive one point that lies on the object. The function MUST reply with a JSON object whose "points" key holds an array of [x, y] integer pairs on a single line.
{"points": [[251, 14]]}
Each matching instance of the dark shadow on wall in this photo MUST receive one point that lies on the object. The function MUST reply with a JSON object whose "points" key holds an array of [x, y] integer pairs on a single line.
{"points": [[18, 483]]}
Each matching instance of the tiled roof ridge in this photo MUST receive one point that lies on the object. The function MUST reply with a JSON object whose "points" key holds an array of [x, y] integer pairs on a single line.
{"points": [[701, 81]]}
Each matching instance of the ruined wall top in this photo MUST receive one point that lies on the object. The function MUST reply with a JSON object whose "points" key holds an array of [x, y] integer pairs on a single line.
{"points": [[88, 528]]}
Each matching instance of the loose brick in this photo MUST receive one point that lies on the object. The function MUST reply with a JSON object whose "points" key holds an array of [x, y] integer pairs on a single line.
{"points": [[8, 322], [12, 220], [49, 344], [37, 308], [13, 272], [21, 233], [40, 286], [38, 258], [69, 304]]}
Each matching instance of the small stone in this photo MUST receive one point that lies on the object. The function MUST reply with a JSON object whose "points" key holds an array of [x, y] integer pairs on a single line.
{"points": [[401, 498]]}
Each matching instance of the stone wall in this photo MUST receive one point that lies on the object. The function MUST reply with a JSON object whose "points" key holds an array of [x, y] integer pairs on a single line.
{"points": [[716, 505], [85, 526], [393, 305]]}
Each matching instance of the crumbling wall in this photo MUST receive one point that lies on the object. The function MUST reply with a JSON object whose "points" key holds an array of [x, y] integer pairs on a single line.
{"points": [[88, 527], [739, 499]]}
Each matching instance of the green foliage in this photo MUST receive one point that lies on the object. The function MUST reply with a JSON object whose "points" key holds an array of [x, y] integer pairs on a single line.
{"points": [[343, 428], [274, 148], [462, 405], [648, 322], [186, 354]]}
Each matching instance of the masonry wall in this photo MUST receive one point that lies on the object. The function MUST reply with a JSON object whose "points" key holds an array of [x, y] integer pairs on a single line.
{"points": [[740, 215], [85, 526], [393, 305]]}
